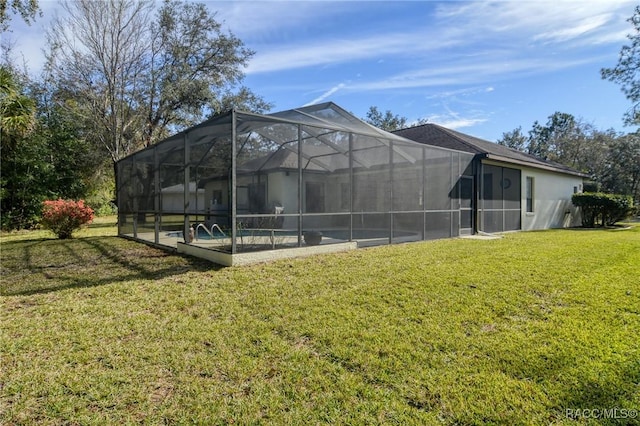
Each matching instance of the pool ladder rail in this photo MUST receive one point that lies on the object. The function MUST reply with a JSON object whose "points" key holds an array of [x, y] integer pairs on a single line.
{"points": [[210, 232]]}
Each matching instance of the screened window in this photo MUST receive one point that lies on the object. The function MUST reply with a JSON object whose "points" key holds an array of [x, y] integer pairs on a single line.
{"points": [[529, 193]]}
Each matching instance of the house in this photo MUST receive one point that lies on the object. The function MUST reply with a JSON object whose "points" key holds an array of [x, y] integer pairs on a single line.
{"points": [[317, 178], [172, 197], [513, 190]]}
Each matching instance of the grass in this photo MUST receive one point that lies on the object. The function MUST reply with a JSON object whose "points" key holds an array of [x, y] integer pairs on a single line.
{"points": [[101, 330]]}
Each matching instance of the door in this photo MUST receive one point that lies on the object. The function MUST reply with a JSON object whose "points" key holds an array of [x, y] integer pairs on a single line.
{"points": [[465, 190]]}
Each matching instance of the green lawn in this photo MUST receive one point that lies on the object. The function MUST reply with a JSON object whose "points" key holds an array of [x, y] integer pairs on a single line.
{"points": [[101, 330]]}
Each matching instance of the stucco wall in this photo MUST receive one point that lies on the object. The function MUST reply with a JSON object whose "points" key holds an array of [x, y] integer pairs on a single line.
{"points": [[552, 200], [174, 201], [283, 189]]}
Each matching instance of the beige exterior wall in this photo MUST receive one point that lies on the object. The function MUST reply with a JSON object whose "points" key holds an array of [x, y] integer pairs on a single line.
{"points": [[552, 194], [283, 189], [174, 201]]}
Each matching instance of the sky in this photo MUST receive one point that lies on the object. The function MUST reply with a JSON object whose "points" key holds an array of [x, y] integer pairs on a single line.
{"points": [[479, 67]]}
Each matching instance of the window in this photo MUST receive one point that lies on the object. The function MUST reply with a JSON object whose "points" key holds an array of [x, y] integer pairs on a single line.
{"points": [[529, 192], [257, 197], [314, 197], [345, 196]]}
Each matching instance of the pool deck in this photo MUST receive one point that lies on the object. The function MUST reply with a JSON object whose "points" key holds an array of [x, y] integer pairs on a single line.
{"points": [[250, 258], [258, 248]]}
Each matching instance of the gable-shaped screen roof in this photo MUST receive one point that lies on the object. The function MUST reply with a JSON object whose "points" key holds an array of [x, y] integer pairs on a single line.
{"points": [[433, 134], [331, 116], [321, 116]]}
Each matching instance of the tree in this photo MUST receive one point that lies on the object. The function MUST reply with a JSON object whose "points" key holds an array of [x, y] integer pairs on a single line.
{"points": [[572, 142], [242, 98], [514, 139], [612, 160], [96, 57], [622, 172], [44, 154], [558, 140], [565, 140], [73, 162], [136, 78], [192, 64], [27, 9], [593, 151], [17, 111], [17, 122], [386, 121], [627, 72]]}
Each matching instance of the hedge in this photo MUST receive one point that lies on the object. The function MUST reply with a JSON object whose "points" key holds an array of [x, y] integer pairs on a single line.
{"points": [[607, 209]]}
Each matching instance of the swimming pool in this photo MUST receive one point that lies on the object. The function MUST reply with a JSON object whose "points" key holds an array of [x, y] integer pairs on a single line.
{"points": [[336, 234]]}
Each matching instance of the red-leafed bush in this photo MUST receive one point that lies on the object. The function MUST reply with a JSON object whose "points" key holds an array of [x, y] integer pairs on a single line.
{"points": [[65, 216]]}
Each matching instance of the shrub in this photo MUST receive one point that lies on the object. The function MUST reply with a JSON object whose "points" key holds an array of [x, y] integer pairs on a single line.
{"points": [[604, 208], [101, 197], [105, 209], [65, 216], [619, 207]]}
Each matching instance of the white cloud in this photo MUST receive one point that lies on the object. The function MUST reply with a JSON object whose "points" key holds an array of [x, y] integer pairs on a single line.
{"points": [[471, 72], [525, 37], [454, 123], [455, 120], [557, 20], [467, 91], [326, 94], [617, 37], [260, 20], [463, 51], [584, 26], [335, 51]]}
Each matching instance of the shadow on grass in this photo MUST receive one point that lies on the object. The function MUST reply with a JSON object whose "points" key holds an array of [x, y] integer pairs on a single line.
{"points": [[104, 225], [621, 227], [615, 395], [584, 389], [48, 265]]}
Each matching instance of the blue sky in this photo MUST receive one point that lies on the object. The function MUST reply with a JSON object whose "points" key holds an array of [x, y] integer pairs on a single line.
{"points": [[482, 68]]}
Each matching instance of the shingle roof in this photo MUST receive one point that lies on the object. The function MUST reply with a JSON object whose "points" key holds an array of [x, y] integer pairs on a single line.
{"points": [[433, 134]]}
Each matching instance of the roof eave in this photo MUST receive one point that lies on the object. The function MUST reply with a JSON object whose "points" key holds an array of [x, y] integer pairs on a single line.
{"points": [[531, 164]]}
